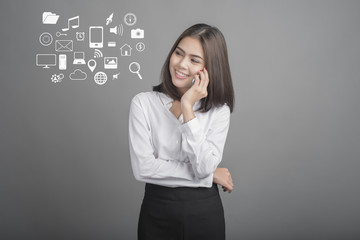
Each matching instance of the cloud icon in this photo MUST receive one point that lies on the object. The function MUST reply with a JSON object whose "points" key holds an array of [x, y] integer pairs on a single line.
{"points": [[78, 75]]}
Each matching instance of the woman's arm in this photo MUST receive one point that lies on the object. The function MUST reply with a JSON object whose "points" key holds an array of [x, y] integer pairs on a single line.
{"points": [[204, 150]]}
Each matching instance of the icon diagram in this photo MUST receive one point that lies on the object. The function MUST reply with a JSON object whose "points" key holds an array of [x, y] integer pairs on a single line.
{"points": [[109, 19], [45, 39], [91, 64], [80, 36], [77, 74], [137, 33], [68, 39], [73, 23], [126, 50], [140, 46], [79, 58], [45, 60], [134, 67], [98, 53], [110, 62], [130, 19], [100, 78], [117, 30], [57, 78], [49, 18], [62, 62], [96, 34]]}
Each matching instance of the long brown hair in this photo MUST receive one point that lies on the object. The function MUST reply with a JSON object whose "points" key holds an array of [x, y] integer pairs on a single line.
{"points": [[220, 89]]}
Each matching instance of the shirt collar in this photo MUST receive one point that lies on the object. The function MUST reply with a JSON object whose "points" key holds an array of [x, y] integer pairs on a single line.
{"points": [[167, 101]]}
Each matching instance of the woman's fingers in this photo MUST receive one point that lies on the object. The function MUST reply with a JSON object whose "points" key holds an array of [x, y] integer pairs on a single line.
{"points": [[204, 76], [197, 80]]}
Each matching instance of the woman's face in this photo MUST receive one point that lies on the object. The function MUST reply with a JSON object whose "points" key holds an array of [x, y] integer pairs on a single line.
{"points": [[186, 61]]}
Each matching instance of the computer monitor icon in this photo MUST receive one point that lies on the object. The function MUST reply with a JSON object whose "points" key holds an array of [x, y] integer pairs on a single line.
{"points": [[45, 60]]}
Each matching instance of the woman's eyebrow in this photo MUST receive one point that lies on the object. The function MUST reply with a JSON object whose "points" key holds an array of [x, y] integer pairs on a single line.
{"points": [[193, 55]]}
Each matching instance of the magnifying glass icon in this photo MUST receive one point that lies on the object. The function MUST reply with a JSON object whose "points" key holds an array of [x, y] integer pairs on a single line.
{"points": [[134, 67]]}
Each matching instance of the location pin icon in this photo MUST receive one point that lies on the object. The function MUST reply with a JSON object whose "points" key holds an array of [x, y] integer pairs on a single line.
{"points": [[91, 64]]}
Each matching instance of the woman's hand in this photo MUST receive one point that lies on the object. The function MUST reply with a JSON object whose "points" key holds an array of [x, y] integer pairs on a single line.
{"points": [[222, 177], [198, 90]]}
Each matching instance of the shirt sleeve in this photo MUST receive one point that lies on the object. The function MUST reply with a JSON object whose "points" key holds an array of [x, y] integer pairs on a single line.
{"points": [[146, 167], [205, 150]]}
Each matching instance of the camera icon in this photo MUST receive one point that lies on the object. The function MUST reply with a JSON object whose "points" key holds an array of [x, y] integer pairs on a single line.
{"points": [[137, 33]]}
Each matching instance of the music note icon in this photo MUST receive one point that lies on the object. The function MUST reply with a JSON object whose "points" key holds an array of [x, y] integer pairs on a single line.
{"points": [[73, 22]]}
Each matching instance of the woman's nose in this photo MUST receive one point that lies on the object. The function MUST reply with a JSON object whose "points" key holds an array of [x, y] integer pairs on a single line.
{"points": [[183, 63]]}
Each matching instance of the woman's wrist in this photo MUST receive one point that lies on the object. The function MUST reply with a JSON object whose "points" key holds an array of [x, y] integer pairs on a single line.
{"points": [[187, 110]]}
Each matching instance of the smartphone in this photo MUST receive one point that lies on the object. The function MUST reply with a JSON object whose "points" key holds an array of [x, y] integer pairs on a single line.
{"points": [[62, 62], [193, 81], [96, 34]]}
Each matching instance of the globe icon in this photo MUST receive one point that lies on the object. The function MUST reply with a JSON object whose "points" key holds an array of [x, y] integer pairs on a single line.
{"points": [[100, 78]]}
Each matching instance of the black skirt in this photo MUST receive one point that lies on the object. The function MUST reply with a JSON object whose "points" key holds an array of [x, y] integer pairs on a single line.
{"points": [[181, 213]]}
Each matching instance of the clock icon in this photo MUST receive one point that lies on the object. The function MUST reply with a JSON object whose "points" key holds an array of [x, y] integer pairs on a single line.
{"points": [[130, 19]]}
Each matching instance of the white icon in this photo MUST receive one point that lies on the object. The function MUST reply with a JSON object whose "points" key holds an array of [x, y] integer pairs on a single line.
{"points": [[111, 44], [79, 58], [80, 36], [109, 19], [45, 60], [137, 33], [45, 39], [49, 18], [115, 76], [140, 46], [100, 78], [110, 62], [57, 78], [134, 67], [130, 19], [96, 37], [117, 30], [98, 53], [126, 50], [58, 34], [73, 23], [91, 64], [77, 74], [64, 45], [62, 62]]}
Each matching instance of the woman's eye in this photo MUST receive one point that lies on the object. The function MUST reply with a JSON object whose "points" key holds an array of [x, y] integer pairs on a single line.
{"points": [[178, 53], [194, 61]]}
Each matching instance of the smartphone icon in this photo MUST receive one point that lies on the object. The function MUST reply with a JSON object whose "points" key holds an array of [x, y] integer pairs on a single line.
{"points": [[62, 62], [96, 37]]}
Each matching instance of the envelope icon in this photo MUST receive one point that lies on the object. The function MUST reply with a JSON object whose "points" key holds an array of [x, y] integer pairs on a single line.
{"points": [[64, 45], [49, 18]]}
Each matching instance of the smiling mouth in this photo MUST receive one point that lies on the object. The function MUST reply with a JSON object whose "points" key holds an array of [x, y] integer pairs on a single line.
{"points": [[181, 75]]}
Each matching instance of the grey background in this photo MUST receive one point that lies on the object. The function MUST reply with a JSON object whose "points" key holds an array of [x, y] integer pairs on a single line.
{"points": [[293, 146]]}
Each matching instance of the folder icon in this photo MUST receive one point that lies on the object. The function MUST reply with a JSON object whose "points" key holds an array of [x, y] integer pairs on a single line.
{"points": [[49, 18]]}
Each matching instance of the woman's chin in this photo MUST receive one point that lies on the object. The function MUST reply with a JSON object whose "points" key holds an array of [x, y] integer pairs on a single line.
{"points": [[180, 83]]}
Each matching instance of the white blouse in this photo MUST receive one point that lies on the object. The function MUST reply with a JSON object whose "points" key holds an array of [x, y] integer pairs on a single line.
{"points": [[166, 151]]}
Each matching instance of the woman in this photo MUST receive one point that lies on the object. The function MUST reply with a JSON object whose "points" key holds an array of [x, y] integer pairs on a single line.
{"points": [[177, 135]]}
